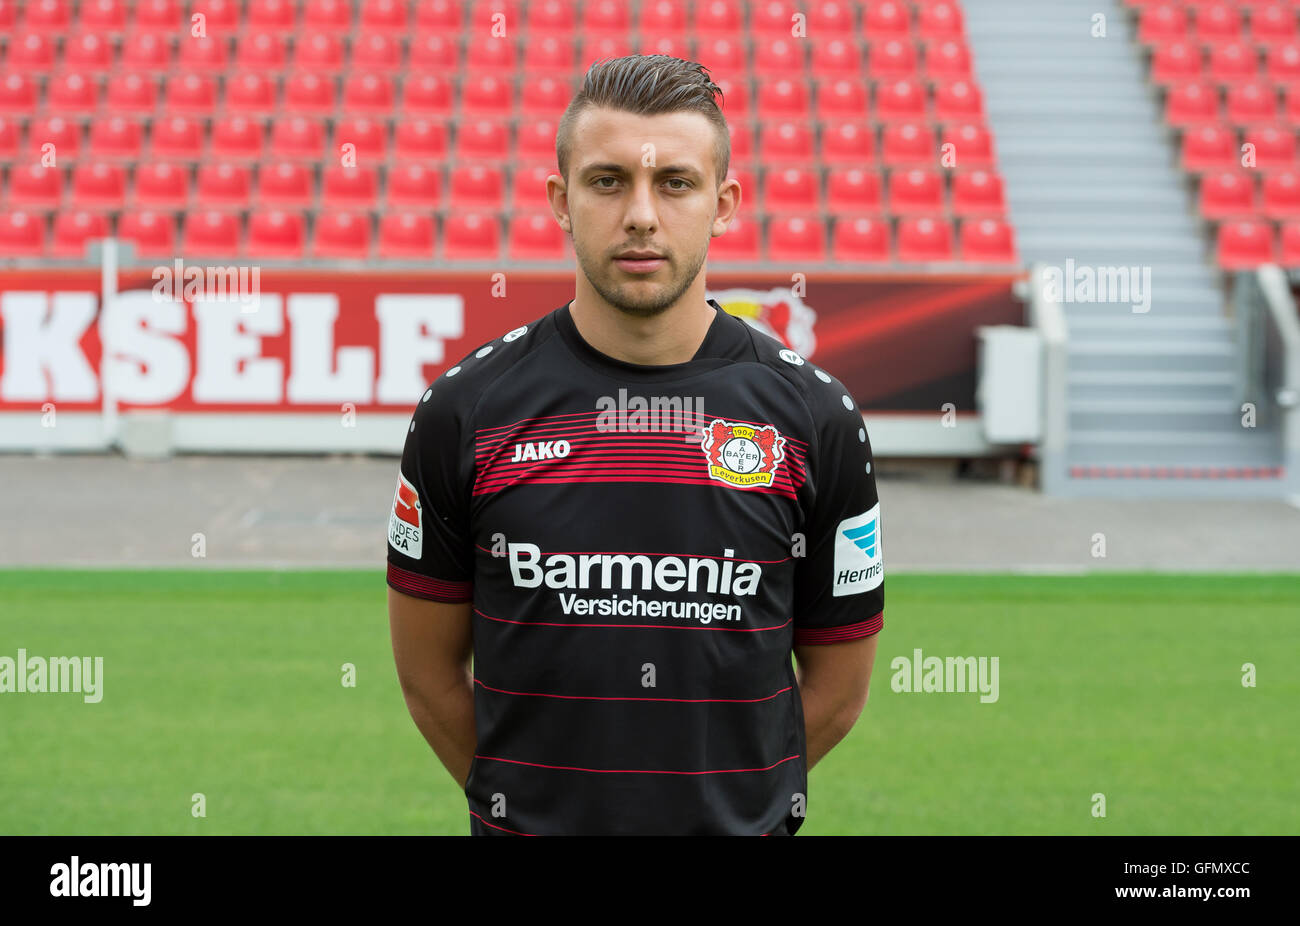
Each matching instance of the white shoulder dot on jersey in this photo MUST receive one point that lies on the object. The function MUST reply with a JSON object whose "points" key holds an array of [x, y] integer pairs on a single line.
{"points": [[790, 356], [453, 371], [484, 352], [822, 375], [862, 435], [848, 403], [412, 427], [427, 393], [517, 333], [868, 467]]}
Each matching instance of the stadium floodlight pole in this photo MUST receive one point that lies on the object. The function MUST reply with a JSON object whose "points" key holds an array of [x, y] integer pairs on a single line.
{"points": [[107, 295]]}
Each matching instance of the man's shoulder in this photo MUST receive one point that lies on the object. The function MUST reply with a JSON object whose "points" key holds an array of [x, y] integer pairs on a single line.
{"points": [[822, 392], [462, 384]]}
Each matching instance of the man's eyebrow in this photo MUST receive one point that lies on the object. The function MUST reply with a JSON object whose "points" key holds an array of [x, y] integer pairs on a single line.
{"points": [[622, 171]]}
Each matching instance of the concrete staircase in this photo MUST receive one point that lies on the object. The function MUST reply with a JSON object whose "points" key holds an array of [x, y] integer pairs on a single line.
{"points": [[1092, 177]]}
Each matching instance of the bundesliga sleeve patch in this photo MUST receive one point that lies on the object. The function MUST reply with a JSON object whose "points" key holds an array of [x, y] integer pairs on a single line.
{"points": [[858, 566], [404, 523]]}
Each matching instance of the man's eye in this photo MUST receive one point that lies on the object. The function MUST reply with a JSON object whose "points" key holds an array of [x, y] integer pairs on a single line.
{"points": [[680, 180], [598, 179]]}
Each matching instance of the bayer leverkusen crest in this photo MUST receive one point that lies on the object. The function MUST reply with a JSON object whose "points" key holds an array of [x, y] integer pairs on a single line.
{"points": [[741, 455]]}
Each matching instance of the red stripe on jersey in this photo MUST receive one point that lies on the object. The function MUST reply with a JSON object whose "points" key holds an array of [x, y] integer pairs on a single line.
{"points": [[418, 586], [538, 694], [640, 771], [817, 635], [495, 827]]}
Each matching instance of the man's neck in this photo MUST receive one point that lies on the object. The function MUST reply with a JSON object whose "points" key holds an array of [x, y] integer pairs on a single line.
{"points": [[673, 336]]}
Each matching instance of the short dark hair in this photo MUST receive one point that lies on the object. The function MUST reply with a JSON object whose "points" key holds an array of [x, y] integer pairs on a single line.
{"points": [[647, 85]]}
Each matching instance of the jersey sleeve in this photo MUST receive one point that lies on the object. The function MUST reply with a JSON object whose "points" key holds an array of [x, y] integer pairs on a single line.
{"points": [[430, 551], [839, 585]]}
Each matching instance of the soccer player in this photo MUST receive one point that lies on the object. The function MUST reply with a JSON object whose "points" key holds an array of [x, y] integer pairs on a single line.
{"points": [[630, 512]]}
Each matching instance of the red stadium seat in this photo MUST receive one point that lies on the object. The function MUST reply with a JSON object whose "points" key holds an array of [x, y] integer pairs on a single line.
{"points": [[309, 94], [831, 16], [907, 144], [546, 97], [298, 138], [270, 16], [723, 54], [427, 95], [488, 54], [368, 135], [31, 53], [851, 191], [22, 234], [384, 16], [551, 54], [204, 54], [406, 236], [551, 19], [250, 93], [771, 17], [88, 52], [414, 186], [211, 234], [842, 99], [343, 235], [860, 239], [472, 236], [900, 100], [98, 185], [719, 17], [1282, 195], [735, 98], [740, 242], [1231, 62], [420, 140], [1162, 22], [786, 143], [924, 239], [791, 190], [987, 241], [1290, 256], [783, 100], [939, 19], [147, 52], [528, 187], [1218, 22], [437, 17], [1283, 63], [368, 93], [774, 56], [477, 187], [482, 140], [742, 141], [74, 230], [178, 138], [320, 53], [224, 186], [327, 17], [892, 58], [848, 143], [103, 16], [434, 54], [153, 234], [1192, 104], [1176, 61], [1272, 147], [161, 185], [237, 138], [72, 94], [1207, 147], [486, 96], [17, 94], [376, 52], [1252, 104], [261, 51], [978, 193], [536, 140], [947, 59], [534, 235], [886, 20], [275, 234], [958, 101], [1272, 24], [796, 238], [836, 59], [191, 94], [166, 15], [285, 185], [1227, 194], [10, 131], [47, 16], [1245, 244], [63, 134], [966, 145], [915, 191], [35, 187], [349, 188]]}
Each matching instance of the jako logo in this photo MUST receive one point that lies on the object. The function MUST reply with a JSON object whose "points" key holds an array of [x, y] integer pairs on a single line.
{"points": [[543, 450], [106, 879]]}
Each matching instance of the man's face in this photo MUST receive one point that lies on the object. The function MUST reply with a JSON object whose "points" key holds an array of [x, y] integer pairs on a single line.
{"points": [[642, 183]]}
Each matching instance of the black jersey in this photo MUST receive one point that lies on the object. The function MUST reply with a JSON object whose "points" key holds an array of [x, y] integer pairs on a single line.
{"points": [[643, 545]]}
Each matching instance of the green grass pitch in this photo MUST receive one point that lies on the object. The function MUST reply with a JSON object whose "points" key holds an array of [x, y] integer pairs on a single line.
{"points": [[228, 683]]}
